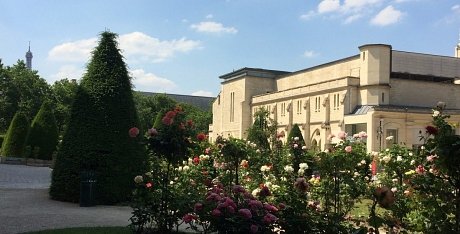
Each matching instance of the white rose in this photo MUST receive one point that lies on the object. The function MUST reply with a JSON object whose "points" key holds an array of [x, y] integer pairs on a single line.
{"points": [[394, 189], [288, 168], [436, 113], [303, 166], [412, 162], [399, 158], [301, 171]]}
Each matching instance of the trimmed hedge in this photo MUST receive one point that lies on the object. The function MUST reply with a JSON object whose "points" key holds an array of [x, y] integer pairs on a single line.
{"points": [[2, 137], [295, 132], [97, 137], [15, 138], [43, 135]]}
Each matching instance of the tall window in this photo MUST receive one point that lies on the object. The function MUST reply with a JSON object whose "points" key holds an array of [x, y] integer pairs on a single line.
{"points": [[383, 97], [317, 104], [232, 106], [336, 101], [283, 109], [299, 107]]}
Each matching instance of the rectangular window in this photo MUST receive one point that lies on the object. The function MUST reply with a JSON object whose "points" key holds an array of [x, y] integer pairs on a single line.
{"points": [[383, 98], [392, 136], [336, 101], [317, 104], [232, 106], [299, 107]]}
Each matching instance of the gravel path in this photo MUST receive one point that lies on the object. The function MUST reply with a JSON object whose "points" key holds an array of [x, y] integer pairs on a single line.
{"points": [[25, 205]]}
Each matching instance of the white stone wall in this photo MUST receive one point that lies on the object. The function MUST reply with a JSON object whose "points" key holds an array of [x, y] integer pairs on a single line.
{"points": [[425, 64]]}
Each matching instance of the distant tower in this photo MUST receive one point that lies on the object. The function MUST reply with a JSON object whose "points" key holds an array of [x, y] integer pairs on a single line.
{"points": [[29, 58]]}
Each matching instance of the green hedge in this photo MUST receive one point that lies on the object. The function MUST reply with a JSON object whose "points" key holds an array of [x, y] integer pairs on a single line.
{"points": [[15, 139], [97, 135], [2, 137], [43, 135]]}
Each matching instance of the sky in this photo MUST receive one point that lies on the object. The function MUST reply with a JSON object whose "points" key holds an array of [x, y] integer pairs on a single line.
{"points": [[183, 46]]}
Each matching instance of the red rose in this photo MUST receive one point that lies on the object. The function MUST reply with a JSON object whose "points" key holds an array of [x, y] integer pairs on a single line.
{"points": [[148, 185], [431, 130], [133, 132], [196, 160], [201, 136]]}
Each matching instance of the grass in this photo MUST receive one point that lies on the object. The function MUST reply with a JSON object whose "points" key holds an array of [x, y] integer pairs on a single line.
{"points": [[86, 230], [362, 209]]}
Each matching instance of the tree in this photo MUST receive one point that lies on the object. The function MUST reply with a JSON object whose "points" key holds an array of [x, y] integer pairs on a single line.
{"points": [[43, 135], [148, 106], [63, 94], [14, 143], [97, 137], [9, 98], [262, 130], [295, 132]]}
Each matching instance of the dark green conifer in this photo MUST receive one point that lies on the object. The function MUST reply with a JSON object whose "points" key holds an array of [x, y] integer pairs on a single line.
{"points": [[97, 136], [15, 139], [43, 135]]}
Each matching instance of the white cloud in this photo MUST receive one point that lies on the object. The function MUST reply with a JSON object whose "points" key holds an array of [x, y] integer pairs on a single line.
{"points": [[135, 46], [359, 5], [310, 54], [326, 6], [213, 27], [456, 8], [308, 15], [67, 71], [210, 16], [149, 82], [387, 16], [140, 47], [77, 51], [352, 18], [202, 93]]}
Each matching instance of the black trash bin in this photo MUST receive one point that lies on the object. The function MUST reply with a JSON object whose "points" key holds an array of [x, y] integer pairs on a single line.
{"points": [[87, 188]]}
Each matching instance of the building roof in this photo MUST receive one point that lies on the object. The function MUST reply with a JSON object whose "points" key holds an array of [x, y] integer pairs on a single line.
{"points": [[363, 109], [257, 72], [204, 103]]}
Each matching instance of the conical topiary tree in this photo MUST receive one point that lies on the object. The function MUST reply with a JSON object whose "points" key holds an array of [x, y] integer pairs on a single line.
{"points": [[97, 137], [15, 139], [43, 135], [296, 142]]}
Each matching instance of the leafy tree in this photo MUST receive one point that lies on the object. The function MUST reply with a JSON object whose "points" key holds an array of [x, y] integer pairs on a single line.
{"points": [[9, 98], [63, 94], [14, 142], [43, 135], [97, 136], [148, 106], [33, 89], [263, 129]]}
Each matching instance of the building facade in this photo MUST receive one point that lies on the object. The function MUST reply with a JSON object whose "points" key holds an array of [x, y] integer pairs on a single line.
{"points": [[381, 91]]}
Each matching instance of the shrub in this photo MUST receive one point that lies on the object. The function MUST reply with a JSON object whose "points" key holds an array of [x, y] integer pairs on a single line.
{"points": [[2, 137], [15, 138], [96, 138], [43, 133]]}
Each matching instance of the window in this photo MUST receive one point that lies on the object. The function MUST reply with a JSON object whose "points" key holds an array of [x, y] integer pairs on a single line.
{"points": [[283, 109], [336, 101], [392, 136], [232, 106], [383, 97], [364, 56], [218, 100], [317, 104], [299, 107]]}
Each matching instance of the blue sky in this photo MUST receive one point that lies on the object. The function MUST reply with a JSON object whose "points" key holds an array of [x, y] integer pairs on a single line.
{"points": [[183, 46]]}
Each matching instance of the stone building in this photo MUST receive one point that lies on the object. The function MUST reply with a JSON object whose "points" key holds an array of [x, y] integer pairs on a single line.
{"points": [[381, 91]]}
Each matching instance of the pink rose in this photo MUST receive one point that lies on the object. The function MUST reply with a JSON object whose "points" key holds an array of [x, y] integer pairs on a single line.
{"points": [[348, 149], [133, 132], [216, 213], [198, 207], [152, 132], [430, 158], [245, 213], [188, 218], [420, 169], [342, 135], [269, 218], [254, 228]]}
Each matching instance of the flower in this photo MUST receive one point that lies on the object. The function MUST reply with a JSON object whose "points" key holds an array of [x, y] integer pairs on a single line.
{"points": [[410, 172], [188, 218], [301, 185], [431, 130], [254, 228], [412, 162], [362, 134], [303, 166], [295, 146], [348, 149], [420, 169], [198, 207], [389, 138], [216, 213], [138, 179], [196, 160], [342, 135], [244, 163], [304, 147], [133, 132], [399, 158], [329, 138], [201, 136], [265, 192], [246, 213], [186, 168], [167, 121], [265, 168], [288, 168], [270, 208], [148, 185], [431, 158], [280, 134], [152, 132], [296, 138], [269, 218], [386, 159], [301, 171], [436, 113], [394, 189]]}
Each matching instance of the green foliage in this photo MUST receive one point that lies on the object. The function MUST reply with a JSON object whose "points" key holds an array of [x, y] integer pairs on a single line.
{"points": [[43, 135], [63, 95], [15, 139], [263, 130], [295, 132], [2, 137], [97, 136]]}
